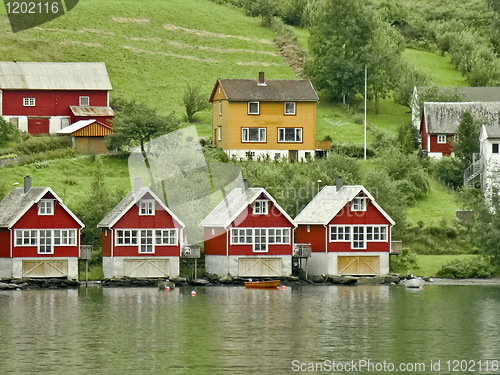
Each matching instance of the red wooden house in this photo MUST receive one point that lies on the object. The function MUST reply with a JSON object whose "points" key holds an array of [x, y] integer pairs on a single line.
{"points": [[440, 123], [249, 235], [349, 233], [141, 237], [39, 235], [44, 97]]}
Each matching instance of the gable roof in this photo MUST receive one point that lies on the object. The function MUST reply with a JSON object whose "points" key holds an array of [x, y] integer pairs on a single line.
{"points": [[329, 202], [469, 94], [127, 203], [17, 203], [491, 131], [54, 76], [234, 204], [91, 111], [80, 125], [443, 118], [244, 90]]}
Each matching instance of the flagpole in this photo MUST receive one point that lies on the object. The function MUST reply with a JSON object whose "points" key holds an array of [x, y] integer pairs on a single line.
{"points": [[364, 121]]}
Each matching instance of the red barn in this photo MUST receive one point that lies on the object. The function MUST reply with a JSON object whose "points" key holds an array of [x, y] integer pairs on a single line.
{"points": [[39, 235], [141, 237], [248, 234], [350, 234], [44, 97]]}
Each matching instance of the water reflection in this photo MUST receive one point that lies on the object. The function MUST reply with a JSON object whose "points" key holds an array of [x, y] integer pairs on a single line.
{"points": [[233, 330]]}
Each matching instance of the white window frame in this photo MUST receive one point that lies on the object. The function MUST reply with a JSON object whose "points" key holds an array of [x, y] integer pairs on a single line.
{"points": [[254, 112], [260, 243], [45, 241], [376, 233], [219, 133], [46, 207], [29, 102], [261, 207], [147, 241], [64, 237], [340, 233], [441, 138], [359, 204], [146, 207], [297, 136], [130, 235], [241, 236], [65, 122], [358, 237], [369, 233], [288, 111], [165, 237], [260, 238], [278, 236], [245, 135], [27, 237], [84, 101]]}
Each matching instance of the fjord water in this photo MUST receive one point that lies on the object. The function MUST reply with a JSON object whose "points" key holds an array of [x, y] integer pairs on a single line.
{"points": [[233, 330]]}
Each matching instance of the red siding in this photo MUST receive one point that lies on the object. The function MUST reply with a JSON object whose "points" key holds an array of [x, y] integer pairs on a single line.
{"points": [[107, 120], [215, 244], [161, 219], [444, 148], [274, 219], [4, 243], [316, 237], [48, 103]]}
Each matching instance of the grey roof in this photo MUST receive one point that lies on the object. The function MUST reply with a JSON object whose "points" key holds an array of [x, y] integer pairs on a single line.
{"points": [[492, 131], [233, 205], [16, 203], [126, 203], [90, 111], [470, 94], [54, 76], [329, 202], [443, 118], [274, 90]]}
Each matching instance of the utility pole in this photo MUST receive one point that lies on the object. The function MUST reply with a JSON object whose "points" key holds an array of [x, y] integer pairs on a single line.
{"points": [[364, 121]]}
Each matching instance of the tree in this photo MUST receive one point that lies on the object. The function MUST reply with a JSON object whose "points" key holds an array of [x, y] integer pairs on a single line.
{"points": [[194, 101], [466, 140], [8, 132], [339, 40], [136, 124]]}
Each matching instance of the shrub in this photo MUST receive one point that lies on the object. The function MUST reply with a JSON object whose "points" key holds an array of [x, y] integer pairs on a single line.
{"points": [[404, 262], [42, 157], [466, 269], [34, 145]]}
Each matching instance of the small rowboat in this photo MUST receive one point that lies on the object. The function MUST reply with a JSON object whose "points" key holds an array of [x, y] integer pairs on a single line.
{"points": [[265, 284], [415, 282]]}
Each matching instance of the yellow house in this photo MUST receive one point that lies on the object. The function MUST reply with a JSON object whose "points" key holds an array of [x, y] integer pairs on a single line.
{"points": [[252, 118]]}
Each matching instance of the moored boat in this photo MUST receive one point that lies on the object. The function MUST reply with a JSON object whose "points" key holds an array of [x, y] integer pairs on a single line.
{"points": [[415, 282], [264, 284]]}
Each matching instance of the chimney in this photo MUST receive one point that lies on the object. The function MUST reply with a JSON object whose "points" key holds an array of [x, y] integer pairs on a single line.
{"points": [[245, 185], [27, 184], [137, 185], [339, 183], [262, 81]]}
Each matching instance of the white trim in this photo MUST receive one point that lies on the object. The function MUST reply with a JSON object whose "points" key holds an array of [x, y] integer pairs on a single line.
{"points": [[37, 230], [81, 98], [260, 207], [362, 204], [440, 140], [253, 113], [290, 113], [351, 234], [29, 102], [259, 130], [148, 209], [47, 206], [298, 133], [138, 237]]}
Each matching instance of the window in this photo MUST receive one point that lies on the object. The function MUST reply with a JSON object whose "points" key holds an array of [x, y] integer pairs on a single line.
{"points": [[147, 207], [279, 236], [241, 236], [84, 101], [46, 207], [289, 108], [359, 204], [220, 108], [253, 108], [441, 138], [26, 237], [45, 243], [147, 244], [376, 234], [64, 122], [253, 135], [64, 237], [358, 238], [166, 237], [29, 102], [289, 134], [340, 234], [260, 207], [126, 237], [260, 244], [277, 156], [494, 148], [250, 154], [219, 133]]}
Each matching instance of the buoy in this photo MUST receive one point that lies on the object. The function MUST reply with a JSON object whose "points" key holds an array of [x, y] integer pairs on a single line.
{"points": [[167, 288], [283, 287], [193, 293], [420, 287]]}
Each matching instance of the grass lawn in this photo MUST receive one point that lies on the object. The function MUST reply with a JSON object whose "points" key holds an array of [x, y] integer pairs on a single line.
{"points": [[438, 68], [429, 265]]}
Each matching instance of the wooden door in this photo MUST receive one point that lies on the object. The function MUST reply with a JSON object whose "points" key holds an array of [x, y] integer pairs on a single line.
{"points": [[45, 268], [146, 267], [293, 155], [259, 267], [359, 265], [38, 126]]}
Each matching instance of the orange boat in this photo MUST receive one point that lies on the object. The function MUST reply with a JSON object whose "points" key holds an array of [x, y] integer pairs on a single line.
{"points": [[265, 284]]}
